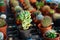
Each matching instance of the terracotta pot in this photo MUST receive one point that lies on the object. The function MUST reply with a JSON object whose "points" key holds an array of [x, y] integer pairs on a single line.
{"points": [[33, 1], [57, 38], [43, 30], [3, 30], [3, 9]]}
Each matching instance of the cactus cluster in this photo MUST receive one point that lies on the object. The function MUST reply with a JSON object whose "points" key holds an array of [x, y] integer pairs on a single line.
{"points": [[46, 21], [2, 22], [2, 3], [51, 34], [25, 17]]}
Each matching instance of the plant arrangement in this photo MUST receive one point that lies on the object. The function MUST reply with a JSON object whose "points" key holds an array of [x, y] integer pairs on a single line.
{"points": [[3, 27], [45, 24], [25, 18], [39, 5], [51, 35]]}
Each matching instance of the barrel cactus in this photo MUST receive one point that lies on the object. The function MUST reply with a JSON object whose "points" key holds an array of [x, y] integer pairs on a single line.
{"points": [[25, 17], [2, 22], [46, 21], [51, 34]]}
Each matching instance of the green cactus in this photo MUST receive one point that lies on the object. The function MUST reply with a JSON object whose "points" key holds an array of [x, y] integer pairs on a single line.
{"points": [[2, 3], [28, 4], [39, 4], [2, 22], [46, 21], [51, 34], [25, 17]]}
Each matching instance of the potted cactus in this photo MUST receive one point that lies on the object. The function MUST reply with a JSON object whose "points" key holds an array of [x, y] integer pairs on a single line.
{"points": [[46, 24], [3, 27], [2, 6], [51, 35]]}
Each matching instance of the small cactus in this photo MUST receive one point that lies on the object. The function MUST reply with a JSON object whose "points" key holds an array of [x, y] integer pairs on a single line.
{"points": [[51, 34], [2, 22], [46, 21]]}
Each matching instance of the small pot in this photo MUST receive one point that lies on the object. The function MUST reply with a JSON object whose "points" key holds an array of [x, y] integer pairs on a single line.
{"points": [[43, 30], [57, 38], [33, 1], [3, 9], [3, 30]]}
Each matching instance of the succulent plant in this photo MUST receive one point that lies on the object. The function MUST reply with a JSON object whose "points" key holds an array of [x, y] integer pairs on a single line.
{"points": [[25, 17], [28, 4], [2, 22], [2, 3], [39, 4], [1, 36], [46, 21], [51, 34]]}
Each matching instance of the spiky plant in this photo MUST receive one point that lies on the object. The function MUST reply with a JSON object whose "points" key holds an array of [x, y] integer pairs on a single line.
{"points": [[2, 22], [25, 17], [51, 34], [2, 3], [46, 21]]}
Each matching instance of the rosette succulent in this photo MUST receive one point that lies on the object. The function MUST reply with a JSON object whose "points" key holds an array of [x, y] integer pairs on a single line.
{"points": [[2, 22], [51, 34], [25, 17], [46, 21]]}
